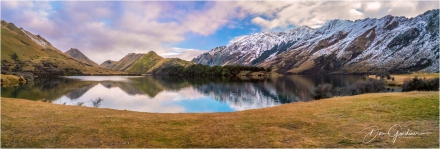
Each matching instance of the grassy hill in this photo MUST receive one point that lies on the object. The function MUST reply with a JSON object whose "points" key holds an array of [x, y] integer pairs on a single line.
{"points": [[146, 63], [24, 52], [149, 63]]}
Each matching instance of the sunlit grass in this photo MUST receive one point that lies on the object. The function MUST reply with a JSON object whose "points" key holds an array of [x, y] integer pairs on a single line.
{"points": [[334, 122]]}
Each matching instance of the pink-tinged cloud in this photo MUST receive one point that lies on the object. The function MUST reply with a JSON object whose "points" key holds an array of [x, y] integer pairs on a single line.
{"points": [[109, 30]]}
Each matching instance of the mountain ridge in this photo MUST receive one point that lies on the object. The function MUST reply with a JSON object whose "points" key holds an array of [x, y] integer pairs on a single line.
{"points": [[339, 46], [144, 63], [24, 52]]}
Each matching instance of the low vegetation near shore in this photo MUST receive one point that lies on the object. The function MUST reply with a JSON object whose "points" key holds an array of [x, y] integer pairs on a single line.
{"points": [[227, 70], [369, 85], [334, 122], [400, 79], [12, 80]]}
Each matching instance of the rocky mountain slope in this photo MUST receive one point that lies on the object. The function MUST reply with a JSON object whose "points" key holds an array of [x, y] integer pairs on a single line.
{"points": [[253, 49], [394, 44], [107, 64], [78, 55], [22, 51], [140, 63]]}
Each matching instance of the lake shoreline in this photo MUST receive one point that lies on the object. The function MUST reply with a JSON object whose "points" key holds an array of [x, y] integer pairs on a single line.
{"points": [[337, 124]]}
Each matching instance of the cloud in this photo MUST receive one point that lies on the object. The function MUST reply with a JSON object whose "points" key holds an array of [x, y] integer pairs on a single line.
{"points": [[206, 22], [373, 6], [272, 14], [237, 38], [182, 53], [164, 102], [109, 30]]}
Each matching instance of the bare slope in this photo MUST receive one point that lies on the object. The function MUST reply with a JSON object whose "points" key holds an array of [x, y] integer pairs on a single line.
{"points": [[78, 55]]}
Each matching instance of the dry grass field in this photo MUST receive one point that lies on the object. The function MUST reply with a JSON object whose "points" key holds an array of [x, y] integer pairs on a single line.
{"points": [[334, 122]]}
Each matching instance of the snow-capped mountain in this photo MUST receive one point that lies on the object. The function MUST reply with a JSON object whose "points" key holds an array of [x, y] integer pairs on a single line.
{"points": [[250, 50], [395, 44]]}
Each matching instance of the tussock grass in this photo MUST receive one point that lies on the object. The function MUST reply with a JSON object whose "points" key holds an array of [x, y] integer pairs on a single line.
{"points": [[333, 122]]}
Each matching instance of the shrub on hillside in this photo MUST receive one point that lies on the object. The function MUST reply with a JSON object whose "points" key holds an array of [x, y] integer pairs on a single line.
{"points": [[322, 91], [97, 102], [383, 75], [368, 86], [361, 87], [420, 84]]}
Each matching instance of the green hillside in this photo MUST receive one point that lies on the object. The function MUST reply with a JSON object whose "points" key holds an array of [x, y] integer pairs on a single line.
{"points": [[149, 63], [146, 63], [153, 63], [168, 63], [21, 53]]}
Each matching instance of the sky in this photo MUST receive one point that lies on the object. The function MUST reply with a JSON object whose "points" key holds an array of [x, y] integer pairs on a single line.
{"points": [[109, 30]]}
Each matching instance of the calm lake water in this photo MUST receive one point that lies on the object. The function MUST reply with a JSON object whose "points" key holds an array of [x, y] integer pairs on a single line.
{"points": [[167, 94]]}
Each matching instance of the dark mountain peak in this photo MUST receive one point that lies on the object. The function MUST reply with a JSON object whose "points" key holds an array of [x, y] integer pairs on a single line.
{"points": [[75, 52], [108, 61], [78, 55], [108, 64], [430, 12], [72, 49]]}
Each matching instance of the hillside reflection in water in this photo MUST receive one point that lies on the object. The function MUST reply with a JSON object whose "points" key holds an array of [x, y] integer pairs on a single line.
{"points": [[168, 94]]}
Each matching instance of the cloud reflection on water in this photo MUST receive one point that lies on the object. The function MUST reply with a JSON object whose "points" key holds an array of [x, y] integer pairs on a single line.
{"points": [[164, 94]]}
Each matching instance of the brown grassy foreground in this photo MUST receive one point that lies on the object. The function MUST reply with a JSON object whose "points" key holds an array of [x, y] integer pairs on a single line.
{"points": [[399, 79], [335, 122]]}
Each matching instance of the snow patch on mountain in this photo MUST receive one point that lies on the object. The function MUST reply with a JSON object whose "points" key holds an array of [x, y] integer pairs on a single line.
{"points": [[396, 44]]}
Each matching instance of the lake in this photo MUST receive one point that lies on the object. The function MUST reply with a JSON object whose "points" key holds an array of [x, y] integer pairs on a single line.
{"points": [[172, 94]]}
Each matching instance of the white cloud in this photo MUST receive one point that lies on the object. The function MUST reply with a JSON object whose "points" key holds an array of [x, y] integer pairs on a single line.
{"points": [[182, 53], [206, 22], [373, 6], [356, 13], [109, 30], [237, 38], [105, 30], [274, 14]]}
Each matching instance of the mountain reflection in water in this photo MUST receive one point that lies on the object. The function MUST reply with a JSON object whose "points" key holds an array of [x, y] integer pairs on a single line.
{"points": [[171, 94]]}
